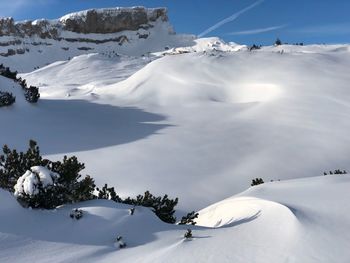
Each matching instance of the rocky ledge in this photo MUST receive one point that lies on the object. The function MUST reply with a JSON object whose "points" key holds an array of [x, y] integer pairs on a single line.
{"points": [[100, 21]]}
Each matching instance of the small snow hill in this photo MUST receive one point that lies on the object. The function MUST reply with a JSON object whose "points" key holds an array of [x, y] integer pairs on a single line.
{"points": [[303, 220]]}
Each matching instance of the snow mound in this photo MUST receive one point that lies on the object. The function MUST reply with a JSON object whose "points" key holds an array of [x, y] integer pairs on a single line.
{"points": [[238, 210], [207, 45], [28, 184]]}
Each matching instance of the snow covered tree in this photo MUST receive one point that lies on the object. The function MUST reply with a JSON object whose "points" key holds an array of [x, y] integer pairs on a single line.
{"points": [[36, 188], [68, 187], [14, 164]]}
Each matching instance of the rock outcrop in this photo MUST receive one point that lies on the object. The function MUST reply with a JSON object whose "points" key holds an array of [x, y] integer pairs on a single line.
{"points": [[100, 21], [112, 20]]}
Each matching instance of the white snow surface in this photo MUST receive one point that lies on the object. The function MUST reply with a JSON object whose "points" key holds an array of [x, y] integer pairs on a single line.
{"points": [[303, 220], [29, 182], [190, 124]]}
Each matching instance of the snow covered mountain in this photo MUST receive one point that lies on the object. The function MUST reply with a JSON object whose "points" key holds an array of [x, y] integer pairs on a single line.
{"points": [[27, 45]]}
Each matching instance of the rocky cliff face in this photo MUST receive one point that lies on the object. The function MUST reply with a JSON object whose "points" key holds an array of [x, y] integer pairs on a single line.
{"points": [[100, 21], [134, 31], [112, 20]]}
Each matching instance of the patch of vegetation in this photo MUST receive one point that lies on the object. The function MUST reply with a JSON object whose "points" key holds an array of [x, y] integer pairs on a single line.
{"points": [[31, 93], [338, 171], [257, 181], [67, 185], [189, 219], [6, 99]]}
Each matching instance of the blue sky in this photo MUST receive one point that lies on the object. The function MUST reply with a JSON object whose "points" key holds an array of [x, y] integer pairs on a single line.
{"points": [[247, 21]]}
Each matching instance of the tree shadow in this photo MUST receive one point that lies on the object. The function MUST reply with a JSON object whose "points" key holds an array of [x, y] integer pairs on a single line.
{"points": [[62, 126]]}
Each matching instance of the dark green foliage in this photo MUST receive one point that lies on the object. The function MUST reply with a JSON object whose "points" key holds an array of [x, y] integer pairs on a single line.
{"points": [[338, 171], [7, 73], [66, 189], [32, 94], [188, 234], [69, 187], [189, 219], [254, 47], [6, 99], [14, 164], [257, 181], [108, 193], [278, 42], [163, 207]]}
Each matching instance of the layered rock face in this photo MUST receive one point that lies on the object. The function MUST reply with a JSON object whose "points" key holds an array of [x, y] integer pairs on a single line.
{"points": [[100, 21], [112, 20]]}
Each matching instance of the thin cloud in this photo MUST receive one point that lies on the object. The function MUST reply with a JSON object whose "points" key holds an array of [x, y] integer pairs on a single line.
{"points": [[257, 30], [329, 29], [229, 19]]}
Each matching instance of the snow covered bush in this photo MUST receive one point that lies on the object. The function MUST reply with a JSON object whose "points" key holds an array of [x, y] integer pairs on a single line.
{"points": [[76, 213], [36, 187], [17, 169], [188, 234], [6, 99], [14, 164]]}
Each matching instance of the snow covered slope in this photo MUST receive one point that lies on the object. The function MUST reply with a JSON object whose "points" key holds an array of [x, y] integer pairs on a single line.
{"points": [[199, 122], [304, 220]]}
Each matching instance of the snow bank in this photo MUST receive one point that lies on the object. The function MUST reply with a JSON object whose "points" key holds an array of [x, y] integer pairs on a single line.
{"points": [[304, 220]]}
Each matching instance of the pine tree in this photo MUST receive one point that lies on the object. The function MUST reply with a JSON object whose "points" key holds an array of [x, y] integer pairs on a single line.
{"points": [[278, 42], [189, 218]]}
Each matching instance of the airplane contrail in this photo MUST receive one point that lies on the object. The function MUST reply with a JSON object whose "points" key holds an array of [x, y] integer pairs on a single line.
{"points": [[229, 19], [257, 30]]}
